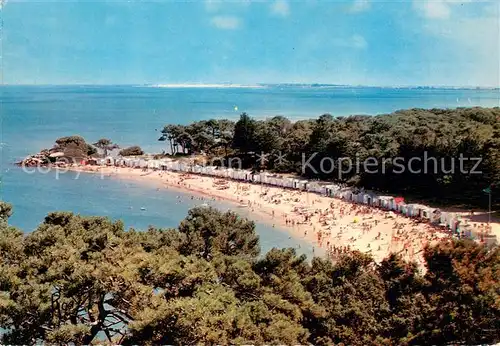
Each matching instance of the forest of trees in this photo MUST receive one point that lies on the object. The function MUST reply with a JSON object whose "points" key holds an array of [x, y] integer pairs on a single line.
{"points": [[85, 280], [75, 148], [443, 134]]}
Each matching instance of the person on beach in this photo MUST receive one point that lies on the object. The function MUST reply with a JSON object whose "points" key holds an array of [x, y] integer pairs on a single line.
{"points": [[331, 221]]}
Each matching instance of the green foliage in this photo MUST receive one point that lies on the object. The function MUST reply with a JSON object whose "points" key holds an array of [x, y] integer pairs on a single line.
{"points": [[74, 147], [245, 132], [443, 134], [200, 136], [85, 280], [105, 144], [70, 140], [91, 150], [131, 151], [352, 296], [209, 232], [464, 293], [5, 211]]}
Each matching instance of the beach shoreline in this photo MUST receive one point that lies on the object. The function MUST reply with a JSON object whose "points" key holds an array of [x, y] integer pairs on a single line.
{"points": [[169, 180], [331, 225]]}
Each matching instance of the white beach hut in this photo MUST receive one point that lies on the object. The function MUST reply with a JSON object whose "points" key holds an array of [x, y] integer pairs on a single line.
{"points": [[287, 182], [153, 164], [301, 185], [184, 167], [412, 210], [329, 189], [173, 166], [444, 219], [270, 179], [357, 197], [163, 165], [211, 171], [237, 175], [276, 180], [339, 193], [230, 173], [386, 202], [425, 211], [196, 169], [243, 175], [314, 186], [375, 200], [370, 198], [137, 163], [248, 175], [217, 172], [220, 172], [258, 178]]}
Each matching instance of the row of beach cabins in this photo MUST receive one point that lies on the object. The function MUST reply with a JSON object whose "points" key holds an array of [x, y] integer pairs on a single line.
{"points": [[448, 220]]}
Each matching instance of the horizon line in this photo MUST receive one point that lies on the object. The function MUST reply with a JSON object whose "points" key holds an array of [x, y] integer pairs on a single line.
{"points": [[188, 85]]}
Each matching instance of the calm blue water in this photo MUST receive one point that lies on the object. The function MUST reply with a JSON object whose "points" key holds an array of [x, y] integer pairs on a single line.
{"points": [[33, 117]]}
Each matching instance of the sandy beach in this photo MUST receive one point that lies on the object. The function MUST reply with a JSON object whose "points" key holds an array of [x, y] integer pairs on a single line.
{"points": [[331, 225]]}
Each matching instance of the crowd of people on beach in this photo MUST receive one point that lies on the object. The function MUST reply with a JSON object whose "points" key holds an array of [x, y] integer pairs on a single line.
{"points": [[332, 225]]}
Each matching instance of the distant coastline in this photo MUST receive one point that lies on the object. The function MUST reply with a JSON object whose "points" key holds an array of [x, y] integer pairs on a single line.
{"points": [[264, 85], [214, 85]]}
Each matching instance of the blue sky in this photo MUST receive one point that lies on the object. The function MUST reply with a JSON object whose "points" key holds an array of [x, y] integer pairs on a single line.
{"points": [[409, 42]]}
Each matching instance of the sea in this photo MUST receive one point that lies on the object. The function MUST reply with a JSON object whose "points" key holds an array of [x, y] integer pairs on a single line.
{"points": [[32, 117]]}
